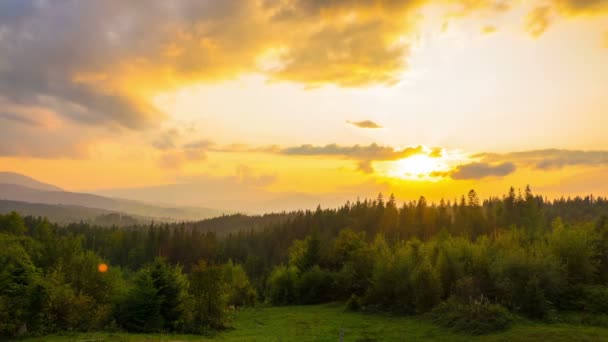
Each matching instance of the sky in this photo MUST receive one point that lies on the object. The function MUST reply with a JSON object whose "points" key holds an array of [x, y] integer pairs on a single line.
{"points": [[278, 104]]}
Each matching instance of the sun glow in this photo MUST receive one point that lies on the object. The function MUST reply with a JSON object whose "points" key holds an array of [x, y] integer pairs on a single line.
{"points": [[417, 167], [422, 167]]}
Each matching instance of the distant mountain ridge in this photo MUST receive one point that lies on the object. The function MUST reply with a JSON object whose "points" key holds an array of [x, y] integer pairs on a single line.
{"points": [[22, 180], [26, 189], [64, 214]]}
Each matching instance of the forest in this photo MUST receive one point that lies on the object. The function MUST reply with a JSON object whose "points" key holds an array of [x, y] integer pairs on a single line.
{"points": [[470, 265]]}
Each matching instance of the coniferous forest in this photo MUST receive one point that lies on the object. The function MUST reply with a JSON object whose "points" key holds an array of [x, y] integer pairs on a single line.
{"points": [[466, 264]]}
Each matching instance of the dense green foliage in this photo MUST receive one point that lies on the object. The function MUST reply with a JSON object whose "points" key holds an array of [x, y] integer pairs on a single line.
{"points": [[532, 257]]}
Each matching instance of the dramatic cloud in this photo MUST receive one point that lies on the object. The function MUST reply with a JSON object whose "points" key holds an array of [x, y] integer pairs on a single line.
{"points": [[364, 124], [98, 63], [481, 170], [550, 158]]}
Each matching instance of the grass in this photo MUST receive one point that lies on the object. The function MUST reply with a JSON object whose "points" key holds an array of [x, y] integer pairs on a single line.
{"points": [[327, 322]]}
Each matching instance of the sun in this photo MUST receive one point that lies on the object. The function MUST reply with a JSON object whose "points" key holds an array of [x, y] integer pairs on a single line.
{"points": [[417, 167], [420, 167]]}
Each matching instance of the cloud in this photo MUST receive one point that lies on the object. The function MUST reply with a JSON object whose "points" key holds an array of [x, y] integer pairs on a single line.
{"points": [[503, 164], [364, 124], [96, 64], [605, 40], [357, 152], [538, 20], [166, 140], [365, 155], [199, 144], [481, 170], [550, 158], [22, 119], [176, 154], [578, 7]]}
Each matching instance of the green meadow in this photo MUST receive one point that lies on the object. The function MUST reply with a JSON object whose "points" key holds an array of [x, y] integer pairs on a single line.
{"points": [[329, 321]]}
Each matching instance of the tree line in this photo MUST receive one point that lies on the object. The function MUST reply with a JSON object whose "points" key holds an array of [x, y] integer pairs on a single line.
{"points": [[520, 252]]}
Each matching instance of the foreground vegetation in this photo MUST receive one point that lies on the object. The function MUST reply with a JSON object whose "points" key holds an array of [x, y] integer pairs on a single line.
{"points": [[326, 322], [467, 267]]}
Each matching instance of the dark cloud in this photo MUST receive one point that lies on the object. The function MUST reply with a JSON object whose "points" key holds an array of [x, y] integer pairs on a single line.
{"points": [[482, 170], [365, 155], [357, 152], [74, 56], [22, 119], [364, 124], [581, 6], [550, 158]]}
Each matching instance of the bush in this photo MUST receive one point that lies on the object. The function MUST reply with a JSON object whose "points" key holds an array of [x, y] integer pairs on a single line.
{"points": [[583, 318], [282, 285], [596, 299], [475, 317], [315, 286], [210, 294], [240, 291], [585, 298], [354, 303], [427, 288]]}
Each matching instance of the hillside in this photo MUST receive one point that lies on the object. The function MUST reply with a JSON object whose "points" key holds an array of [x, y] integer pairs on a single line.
{"points": [[25, 189], [64, 214], [22, 180]]}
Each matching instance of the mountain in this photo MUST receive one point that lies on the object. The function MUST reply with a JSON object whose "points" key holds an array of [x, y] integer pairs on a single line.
{"points": [[237, 196], [70, 213], [41, 193], [19, 179]]}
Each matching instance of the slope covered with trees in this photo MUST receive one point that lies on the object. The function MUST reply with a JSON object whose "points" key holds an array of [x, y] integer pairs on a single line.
{"points": [[460, 260]]}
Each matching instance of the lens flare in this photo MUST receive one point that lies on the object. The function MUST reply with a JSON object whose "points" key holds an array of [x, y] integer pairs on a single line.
{"points": [[103, 268]]}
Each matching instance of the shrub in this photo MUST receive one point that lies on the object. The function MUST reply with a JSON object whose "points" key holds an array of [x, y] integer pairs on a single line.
{"points": [[354, 303], [427, 288], [240, 291], [210, 295], [585, 298], [282, 285], [475, 317], [315, 286], [596, 299]]}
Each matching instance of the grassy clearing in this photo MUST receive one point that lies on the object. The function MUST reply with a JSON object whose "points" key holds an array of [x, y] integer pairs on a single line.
{"points": [[326, 322]]}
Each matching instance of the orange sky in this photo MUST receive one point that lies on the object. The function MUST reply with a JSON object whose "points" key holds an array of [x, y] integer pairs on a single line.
{"points": [[306, 102]]}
